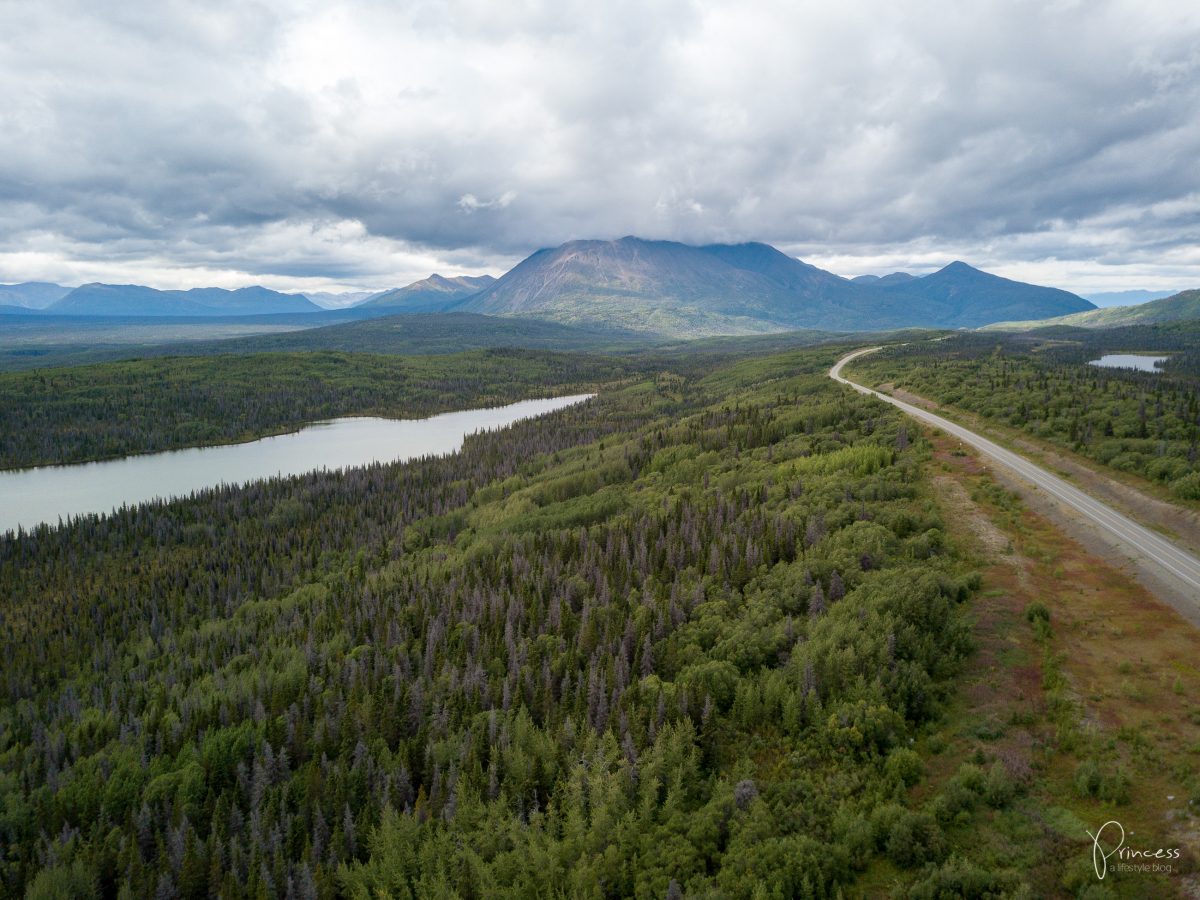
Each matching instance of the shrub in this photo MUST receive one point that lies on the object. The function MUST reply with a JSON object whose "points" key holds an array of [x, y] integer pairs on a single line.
{"points": [[883, 818], [955, 799], [998, 787], [971, 777], [1039, 617], [1166, 468], [1087, 778], [914, 840], [1187, 487], [957, 877], [989, 729], [1037, 612], [904, 765], [1091, 781], [1114, 788]]}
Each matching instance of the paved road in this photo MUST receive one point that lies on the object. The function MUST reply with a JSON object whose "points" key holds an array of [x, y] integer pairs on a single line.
{"points": [[1176, 565]]}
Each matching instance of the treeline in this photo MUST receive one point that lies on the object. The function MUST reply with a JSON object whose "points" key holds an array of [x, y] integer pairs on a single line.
{"points": [[672, 642], [1147, 423], [83, 413]]}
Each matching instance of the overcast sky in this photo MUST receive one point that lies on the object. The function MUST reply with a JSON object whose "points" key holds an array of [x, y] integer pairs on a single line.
{"points": [[361, 145]]}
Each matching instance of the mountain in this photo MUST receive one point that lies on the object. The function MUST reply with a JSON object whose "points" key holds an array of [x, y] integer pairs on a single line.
{"points": [[1181, 307], [884, 281], [137, 300], [675, 289], [433, 294], [681, 290], [970, 298], [1125, 298], [31, 294]]}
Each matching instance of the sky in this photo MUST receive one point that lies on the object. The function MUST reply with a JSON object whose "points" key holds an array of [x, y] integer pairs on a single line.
{"points": [[350, 146]]}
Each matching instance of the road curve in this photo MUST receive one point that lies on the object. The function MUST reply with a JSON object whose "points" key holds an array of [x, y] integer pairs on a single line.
{"points": [[1173, 563]]}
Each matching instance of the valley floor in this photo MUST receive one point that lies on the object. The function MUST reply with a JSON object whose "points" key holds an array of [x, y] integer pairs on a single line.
{"points": [[728, 630]]}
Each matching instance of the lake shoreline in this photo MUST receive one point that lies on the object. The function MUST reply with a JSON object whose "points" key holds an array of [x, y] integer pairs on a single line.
{"points": [[45, 495], [1132, 361]]}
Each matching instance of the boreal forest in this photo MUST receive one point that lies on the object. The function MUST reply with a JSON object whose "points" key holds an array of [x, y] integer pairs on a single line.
{"points": [[677, 638], [704, 635]]}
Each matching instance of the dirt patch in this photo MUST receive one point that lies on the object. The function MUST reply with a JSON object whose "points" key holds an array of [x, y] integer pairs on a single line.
{"points": [[991, 542], [901, 394], [991, 539]]}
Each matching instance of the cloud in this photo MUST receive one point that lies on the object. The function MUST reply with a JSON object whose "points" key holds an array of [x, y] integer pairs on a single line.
{"points": [[469, 203], [350, 144]]}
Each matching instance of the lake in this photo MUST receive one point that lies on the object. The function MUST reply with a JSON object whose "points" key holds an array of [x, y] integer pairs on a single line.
{"points": [[30, 497], [1129, 361]]}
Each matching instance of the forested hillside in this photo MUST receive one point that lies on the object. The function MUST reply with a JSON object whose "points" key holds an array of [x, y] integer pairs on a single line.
{"points": [[108, 410], [672, 642], [1146, 423], [1181, 307]]}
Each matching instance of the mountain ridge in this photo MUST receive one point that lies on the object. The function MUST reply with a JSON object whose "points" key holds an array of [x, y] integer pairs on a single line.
{"points": [[1126, 298], [973, 298], [98, 299], [437, 293], [33, 295], [1179, 307], [663, 288], [884, 280]]}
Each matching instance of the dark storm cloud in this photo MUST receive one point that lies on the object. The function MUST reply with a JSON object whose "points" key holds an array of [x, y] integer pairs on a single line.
{"points": [[363, 143]]}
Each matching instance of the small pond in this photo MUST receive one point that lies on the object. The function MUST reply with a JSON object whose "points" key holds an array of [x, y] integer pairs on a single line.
{"points": [[1142, 362]]}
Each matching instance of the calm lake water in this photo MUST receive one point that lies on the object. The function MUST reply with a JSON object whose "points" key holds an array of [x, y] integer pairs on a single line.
{"points": [[29, 497], [1129, 361]]}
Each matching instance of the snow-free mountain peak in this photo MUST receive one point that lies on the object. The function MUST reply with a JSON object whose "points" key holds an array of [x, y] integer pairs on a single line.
{"points": [[680, 290]]}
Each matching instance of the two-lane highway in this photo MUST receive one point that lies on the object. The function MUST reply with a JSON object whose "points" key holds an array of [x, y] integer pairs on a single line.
{"points": [[1173, 564]]}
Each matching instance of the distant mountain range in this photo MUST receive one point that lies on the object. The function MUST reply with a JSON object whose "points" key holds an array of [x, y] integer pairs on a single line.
{"points": [[137, 300], [1177, 308], [677, 289], [433, 294], [31, 294], [631, 285]]}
